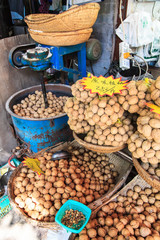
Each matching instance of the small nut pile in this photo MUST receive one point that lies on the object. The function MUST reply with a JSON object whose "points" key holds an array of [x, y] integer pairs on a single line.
{"points": [[75, 111], [135, 96], [153, 169], [115, 135], [144, 149], [155, 91], [135, 216], [149, 125], [81, 94], [88, 112], [33, 106], [85, 178], [73, 219], [103, 112]]}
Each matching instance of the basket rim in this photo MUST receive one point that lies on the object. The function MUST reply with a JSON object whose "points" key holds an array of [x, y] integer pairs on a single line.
{"points": [[97, 148], [42, 16], [66, 13], [151, 180], [114, 196], [60, 34]]}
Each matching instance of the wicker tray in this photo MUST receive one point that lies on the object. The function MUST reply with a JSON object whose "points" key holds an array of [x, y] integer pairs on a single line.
{"points": [[137, 180], [121, 165], [61, 38], [151, 180], [97, 148], [76, 18]]}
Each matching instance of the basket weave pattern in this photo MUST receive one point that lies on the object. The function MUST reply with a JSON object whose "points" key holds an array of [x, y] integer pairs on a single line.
{"points": [[151, 180], [97, 148], [61, 38], [76, 18]]}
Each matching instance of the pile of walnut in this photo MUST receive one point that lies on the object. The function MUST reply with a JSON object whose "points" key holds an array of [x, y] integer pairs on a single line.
{"points": [[152, 169], [148, 124], [133, 98], [33, 106], [85, 178], [115, 135], [135, 216], [94, 116], [145, 143], [147, 151]]}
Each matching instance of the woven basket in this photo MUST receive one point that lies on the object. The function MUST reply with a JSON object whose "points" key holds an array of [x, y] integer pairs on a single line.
{"points": [[76, 18], [61, 38], [122, 166], [137, 180], [151, 180], [97, 148]]}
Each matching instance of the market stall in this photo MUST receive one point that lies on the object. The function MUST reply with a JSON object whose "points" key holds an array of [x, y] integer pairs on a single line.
{"points": [[88, 158]]}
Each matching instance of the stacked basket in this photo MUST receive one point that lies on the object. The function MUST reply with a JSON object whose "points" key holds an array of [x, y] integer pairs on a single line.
{"points": [[68, 28]]}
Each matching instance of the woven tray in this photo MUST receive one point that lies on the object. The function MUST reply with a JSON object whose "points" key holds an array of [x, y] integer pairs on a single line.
{"points": [[61, 38], [76, 18], [151, 180], [122, 166], [97, 148]]}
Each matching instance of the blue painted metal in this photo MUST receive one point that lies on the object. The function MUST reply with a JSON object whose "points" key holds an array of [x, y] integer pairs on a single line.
{"points": [[56, 60], [40, 65], [40, 133]]}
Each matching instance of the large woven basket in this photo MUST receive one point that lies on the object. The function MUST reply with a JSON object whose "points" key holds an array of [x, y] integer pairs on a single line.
{"points": [[61, 38], [151, 180], [97, 148], [137, 180], [76, 18], [122, 166]]}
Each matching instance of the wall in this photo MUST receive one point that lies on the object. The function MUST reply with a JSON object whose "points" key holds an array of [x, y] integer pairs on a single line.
{"points": [[11, 81], [103, 30]]}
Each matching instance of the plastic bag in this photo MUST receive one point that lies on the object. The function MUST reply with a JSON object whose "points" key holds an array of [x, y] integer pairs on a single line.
{"points": [[155, 46], [137, 28]]}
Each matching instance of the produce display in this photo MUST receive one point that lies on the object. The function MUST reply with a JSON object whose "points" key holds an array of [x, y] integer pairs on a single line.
{"points": [[115, 135], [75, 111], [133, 98], [101, 119], [113, 121], [85, 177], [144, 144], [148, 124], [144, 149], [33, 106], [134, 216]]}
